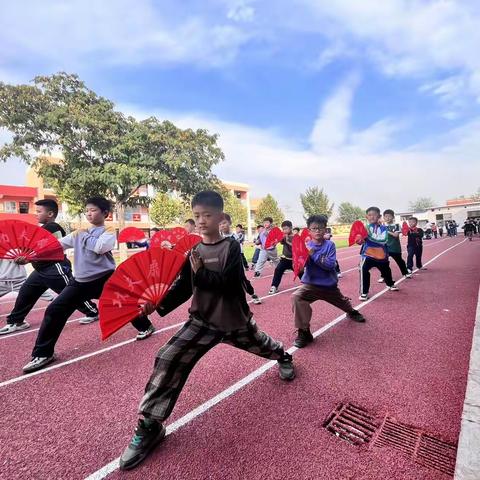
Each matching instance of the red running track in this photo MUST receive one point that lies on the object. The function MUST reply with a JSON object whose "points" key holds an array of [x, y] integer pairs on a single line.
{"points": [[410, 360]]}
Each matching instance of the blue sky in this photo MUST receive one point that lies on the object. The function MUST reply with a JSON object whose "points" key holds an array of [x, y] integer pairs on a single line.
{"points": [[377, 102]]}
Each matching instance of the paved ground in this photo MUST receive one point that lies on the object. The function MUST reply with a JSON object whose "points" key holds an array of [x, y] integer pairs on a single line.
{"points": [[236, 419]]}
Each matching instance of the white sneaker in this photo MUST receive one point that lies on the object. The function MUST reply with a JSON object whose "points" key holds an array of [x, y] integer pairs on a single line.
{"points": [[37, 363], [408, 275], [363, 297], [381, 280], [272, 290], [393, 288], [339, 275], [10, 328], [87, 320], [145, 334], [256, 300]]}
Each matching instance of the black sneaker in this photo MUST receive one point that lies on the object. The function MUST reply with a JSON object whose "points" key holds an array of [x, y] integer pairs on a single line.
{"points": [[356, 316], [285, 368], [148, 434], [304, 337], [256, 274]]}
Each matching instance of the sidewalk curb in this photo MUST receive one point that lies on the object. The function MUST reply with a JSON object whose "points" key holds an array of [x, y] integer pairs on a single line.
{"points": [[468, 453]]}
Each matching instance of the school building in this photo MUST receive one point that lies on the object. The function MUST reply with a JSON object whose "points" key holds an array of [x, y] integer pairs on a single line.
{"points": [[458, 209]]}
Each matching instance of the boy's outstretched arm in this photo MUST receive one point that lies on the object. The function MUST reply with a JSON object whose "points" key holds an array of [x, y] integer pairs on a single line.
{"points": [[179, 293]]}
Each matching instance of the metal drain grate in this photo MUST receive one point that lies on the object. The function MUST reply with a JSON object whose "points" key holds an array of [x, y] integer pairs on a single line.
{"points": [[358, 426], [422, 448], [352, 423]]}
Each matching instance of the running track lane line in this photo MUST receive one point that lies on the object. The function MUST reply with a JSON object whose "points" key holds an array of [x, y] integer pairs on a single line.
{"points": [[196, 412], [107, 349]]}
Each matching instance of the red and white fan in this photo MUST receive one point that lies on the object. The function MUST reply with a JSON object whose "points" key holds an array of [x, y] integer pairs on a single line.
{"points": [[186, 243], [405, 229], [144, 278], [299, 254], [357, 231], [131, 234], [274, 236], [22, 239]]}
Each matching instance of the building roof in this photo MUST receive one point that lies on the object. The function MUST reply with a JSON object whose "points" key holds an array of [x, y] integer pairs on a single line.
{"points": [[16, 191]]}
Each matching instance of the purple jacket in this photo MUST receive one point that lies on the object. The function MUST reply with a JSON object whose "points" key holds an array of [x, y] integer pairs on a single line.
{"points": [[320, 266]]}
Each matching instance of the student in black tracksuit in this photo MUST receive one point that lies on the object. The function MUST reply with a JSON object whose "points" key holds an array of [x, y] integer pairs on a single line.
{"points": [[53, 275], [286, 258], [414, 244]]}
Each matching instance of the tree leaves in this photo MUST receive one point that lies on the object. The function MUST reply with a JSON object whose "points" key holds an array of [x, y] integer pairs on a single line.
{"points": [[268, 207], [316, 202]]}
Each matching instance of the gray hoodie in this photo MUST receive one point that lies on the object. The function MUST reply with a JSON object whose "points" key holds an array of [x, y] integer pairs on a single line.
{"points": [[93, 257]]}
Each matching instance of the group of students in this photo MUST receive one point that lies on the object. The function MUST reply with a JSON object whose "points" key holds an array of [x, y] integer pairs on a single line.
{"points": [[215, 280]]}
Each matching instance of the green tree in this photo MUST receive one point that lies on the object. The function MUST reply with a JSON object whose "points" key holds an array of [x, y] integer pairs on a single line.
{"points": [[104, 152], [348, 213], [316, 202], [268, 207], [165, 210], [234, 207], [421, 203]]}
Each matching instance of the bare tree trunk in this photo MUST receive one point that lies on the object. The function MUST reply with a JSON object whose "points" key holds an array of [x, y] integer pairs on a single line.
{"points": [[120, 211]]}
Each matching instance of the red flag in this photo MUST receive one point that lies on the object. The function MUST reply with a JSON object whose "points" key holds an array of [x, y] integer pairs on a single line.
{"points": [[22, 239], [273, 237], [143, 278], [130, 234], [405, 229], [357, 230]]}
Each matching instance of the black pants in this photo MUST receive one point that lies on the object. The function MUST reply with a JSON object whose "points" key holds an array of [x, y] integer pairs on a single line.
{"points": [[337, 267], [244, 261], [56, 277], [366, 264], [58, 312], [283, 265], [397, 256], [414, 251]]}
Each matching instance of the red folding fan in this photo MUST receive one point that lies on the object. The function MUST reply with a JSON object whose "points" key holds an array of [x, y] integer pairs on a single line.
{"points": [[405, 229], [273, 237], [171, 236], [357, 230], [131, 234], [144, 277], [300, 255], [305, 235], [22, 239], [186, 243]]}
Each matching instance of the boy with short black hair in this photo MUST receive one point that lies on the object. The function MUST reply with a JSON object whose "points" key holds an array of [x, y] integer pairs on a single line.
{"points": [[219, 313], [286, 259], [46, 275], [265, 255], [319, 282], [239, 236], [190, 225], [414, 244], [94, 264], [256, 241], [394, 246], [374, 254], [296, 231]]}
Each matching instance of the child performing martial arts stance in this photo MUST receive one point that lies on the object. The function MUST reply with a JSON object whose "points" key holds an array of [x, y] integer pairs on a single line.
{"points": [[94, 264], [218, 314], [319, 282]]}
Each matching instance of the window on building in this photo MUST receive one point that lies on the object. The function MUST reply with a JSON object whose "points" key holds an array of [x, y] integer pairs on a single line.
{"points": [[238, 194], [10, 207], [23, 207]]}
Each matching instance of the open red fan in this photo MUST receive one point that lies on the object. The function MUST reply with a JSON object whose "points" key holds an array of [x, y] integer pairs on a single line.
{"points": [[186, 243], [171, 236], [405, 229], [300, 255], [131, 234], [145, 277], [273, 237], [305, 235], [22, 239], [357, 229]]}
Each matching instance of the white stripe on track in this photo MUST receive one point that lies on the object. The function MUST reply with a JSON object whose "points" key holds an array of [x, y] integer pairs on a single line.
{"points": [[113, 465]]}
